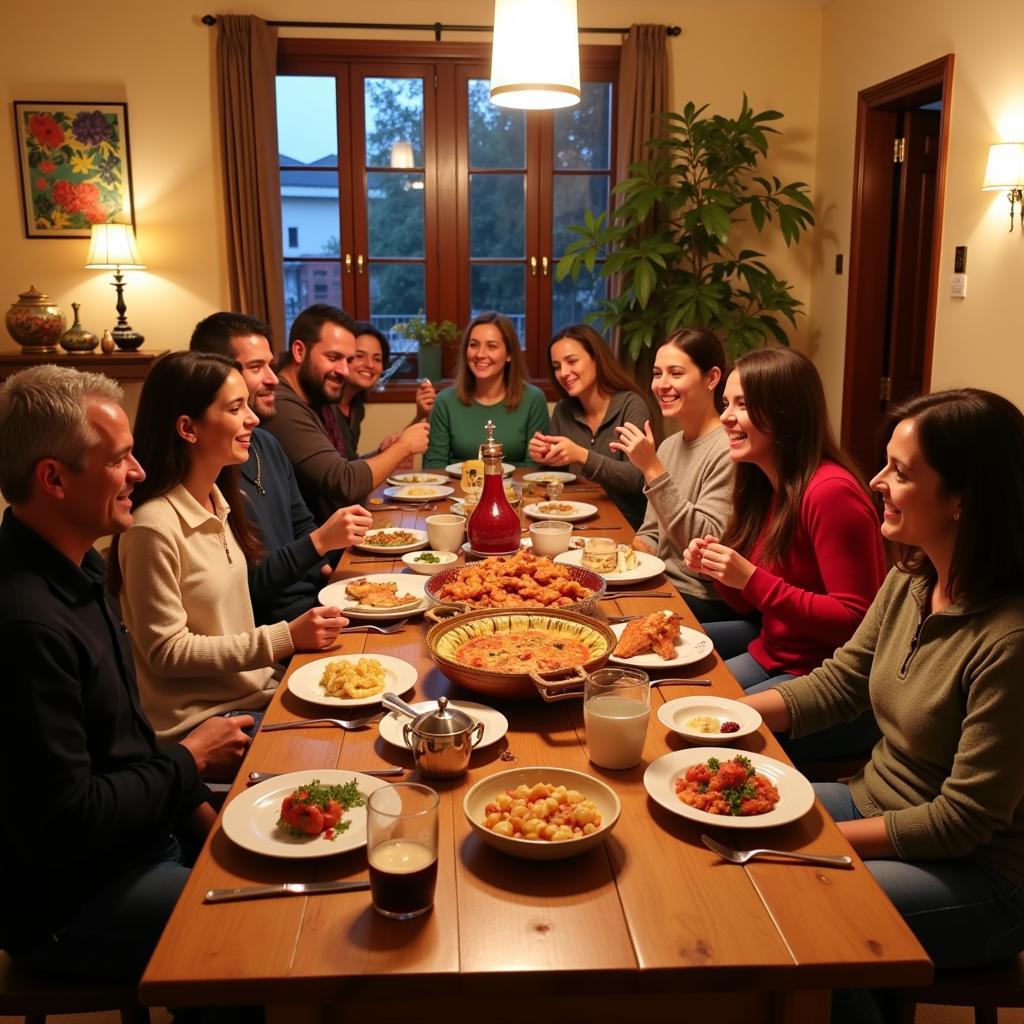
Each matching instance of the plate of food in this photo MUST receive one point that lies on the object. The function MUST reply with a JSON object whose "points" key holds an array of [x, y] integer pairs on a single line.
{"points": [[405, 479], [750, 790], [417, 492], [549, 476], [428, 562], [316, 813], [709, 720], [495, 723], [393, 540], [455, 469], [351, 680], [384, 595], [588, 807], [658, 640], [526, 544], [617, 563], [567, 511]]}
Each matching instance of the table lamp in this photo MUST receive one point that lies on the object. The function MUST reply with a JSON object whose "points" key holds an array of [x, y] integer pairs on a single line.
{"points": [[112, 247]]}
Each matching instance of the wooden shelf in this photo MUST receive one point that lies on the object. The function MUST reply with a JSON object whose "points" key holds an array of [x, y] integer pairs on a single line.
{"points": [[124, 367]]}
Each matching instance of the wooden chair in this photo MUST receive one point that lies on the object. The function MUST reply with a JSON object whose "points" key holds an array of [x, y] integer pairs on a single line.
{"points": [[986, 989], [25, 995]]}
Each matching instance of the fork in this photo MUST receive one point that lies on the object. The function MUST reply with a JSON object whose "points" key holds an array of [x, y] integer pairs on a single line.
{"points": [[341, 723], [622, 594], [395, 627], [742, 856]]}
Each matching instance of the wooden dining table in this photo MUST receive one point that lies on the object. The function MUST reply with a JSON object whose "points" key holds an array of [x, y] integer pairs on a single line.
{"points": [[648, 924]]}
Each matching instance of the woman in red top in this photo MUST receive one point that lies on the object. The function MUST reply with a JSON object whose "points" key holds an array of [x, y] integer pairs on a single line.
{"points": [[802, 547]]}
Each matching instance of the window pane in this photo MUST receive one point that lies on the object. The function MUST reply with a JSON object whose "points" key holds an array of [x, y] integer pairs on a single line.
{"points": [[497, 216], [500, 288], [583, 134], [394, 205], [396, 295], [309, 213], [394, 116], [572, 301], [574, 194], [307, 120], [497, 137], [306, 283]]}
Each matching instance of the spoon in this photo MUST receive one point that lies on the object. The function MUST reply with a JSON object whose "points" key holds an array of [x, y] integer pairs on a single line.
{"points": [[395, 703]]}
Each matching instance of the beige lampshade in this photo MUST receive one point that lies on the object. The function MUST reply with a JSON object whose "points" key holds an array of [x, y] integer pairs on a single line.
{"points": [[402, 154], [112, 247], [535, 59], [1005, 167]]}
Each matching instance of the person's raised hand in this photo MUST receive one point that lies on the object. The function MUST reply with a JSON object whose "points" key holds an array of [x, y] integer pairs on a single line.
{"points": [[316, 629], [426, 394], [638, 446], [347, 526], [218, 745], [415, 438], [726, 565]]}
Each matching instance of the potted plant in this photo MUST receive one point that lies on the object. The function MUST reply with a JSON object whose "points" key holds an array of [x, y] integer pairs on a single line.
{"points": [[669, 239], [430, 337]]}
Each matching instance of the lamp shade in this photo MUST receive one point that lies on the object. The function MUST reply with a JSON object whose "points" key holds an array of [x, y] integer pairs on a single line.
{"points": [[112, 247], [535, 60], [1005, 167], [402, 155]]}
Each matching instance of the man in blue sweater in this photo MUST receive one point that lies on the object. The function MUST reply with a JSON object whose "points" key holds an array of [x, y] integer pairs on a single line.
{"points": [[287, 581]]}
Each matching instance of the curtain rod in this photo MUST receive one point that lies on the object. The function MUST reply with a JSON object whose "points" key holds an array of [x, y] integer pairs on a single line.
{"points": [[436, 27]]}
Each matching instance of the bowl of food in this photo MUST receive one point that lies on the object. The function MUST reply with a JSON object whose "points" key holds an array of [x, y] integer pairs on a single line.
{"points": [[428, 562], [520, 653], [708, 720], [542, 813]]}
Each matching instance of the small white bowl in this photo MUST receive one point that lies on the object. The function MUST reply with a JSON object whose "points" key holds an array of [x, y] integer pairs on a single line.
{"points": [[674, 715], [444, 559], [487, 790]]}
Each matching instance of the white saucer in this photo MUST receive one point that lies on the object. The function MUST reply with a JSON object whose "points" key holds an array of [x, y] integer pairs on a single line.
{"points": [[495, 723], [467, 550]]}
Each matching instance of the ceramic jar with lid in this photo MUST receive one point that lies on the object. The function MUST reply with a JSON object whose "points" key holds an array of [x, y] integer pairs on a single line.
{"points": [[35, 322], [441, 741]]}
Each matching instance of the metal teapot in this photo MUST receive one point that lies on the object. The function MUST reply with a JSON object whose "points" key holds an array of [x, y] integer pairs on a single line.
{"points": [[441, 741]]}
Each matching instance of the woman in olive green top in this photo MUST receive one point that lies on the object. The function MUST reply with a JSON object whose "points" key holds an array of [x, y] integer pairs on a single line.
{"points": [[938, 812]]}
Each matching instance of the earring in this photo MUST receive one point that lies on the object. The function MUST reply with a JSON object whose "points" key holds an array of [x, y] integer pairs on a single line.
{"points": [[956, 516]]}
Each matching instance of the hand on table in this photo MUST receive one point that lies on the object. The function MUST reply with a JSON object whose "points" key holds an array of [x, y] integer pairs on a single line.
{"points": [[218, 745], [560, 450], [639, 447], [538, 447], [316, 629]]}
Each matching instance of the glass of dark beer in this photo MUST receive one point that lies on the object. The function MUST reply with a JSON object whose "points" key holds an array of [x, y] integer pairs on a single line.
{"points": [[401, 822]]}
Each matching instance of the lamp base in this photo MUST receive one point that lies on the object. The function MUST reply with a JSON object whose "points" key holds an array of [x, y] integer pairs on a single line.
{"points": [[126, 339]]}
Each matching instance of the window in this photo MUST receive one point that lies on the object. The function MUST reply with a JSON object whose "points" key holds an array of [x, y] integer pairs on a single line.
{"points": [[413, 195]]}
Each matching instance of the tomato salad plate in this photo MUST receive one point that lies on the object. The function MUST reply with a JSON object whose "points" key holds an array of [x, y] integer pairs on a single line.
{"points": [[250, 819], [383, 595], [796, 795], [393, 540], [691, 646]]}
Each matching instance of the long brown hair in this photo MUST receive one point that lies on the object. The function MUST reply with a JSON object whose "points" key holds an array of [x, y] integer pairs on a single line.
{"points": [[705, 351], [515, 368], [611, 377], [182, 384], [784, 399], [974, 440]]}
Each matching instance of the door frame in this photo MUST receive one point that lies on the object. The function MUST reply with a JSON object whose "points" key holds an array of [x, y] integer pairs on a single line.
{"points": [[869, 237]]}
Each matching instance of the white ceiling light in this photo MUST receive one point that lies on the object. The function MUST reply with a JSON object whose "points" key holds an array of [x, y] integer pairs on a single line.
{"points": [[535, 60]]}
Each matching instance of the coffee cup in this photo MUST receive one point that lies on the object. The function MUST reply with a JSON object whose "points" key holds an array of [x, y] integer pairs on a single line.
{"points": [[550, 537], [446, 532]]}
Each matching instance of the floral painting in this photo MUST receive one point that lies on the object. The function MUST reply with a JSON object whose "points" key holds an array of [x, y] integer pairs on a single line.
{"points": [[74, 167]]}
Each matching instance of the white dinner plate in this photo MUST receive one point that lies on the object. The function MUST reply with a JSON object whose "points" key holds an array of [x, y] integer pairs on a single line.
{"points": [[578, 510], [304, 682], [647, 567], [495, 723], [549, 476], [674, 714], [691, 647], [250, 819], [455, 469], [411, 479], [417, 492], [396, 549], [796, 795], [408, 583]]}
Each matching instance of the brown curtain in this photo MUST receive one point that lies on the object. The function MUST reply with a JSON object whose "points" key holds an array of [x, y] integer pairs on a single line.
{"points": [[246, 69], [643, 95]]}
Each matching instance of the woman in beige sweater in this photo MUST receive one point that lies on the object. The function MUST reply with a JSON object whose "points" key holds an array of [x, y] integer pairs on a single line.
{"points": [[181, 569]]}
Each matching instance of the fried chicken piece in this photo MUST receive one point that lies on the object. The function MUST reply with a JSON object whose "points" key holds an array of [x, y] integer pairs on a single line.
{"points": [[377, 595], [657, 632]]}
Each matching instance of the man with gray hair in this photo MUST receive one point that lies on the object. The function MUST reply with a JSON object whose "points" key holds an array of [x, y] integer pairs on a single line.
{"points": [[90, 866]]}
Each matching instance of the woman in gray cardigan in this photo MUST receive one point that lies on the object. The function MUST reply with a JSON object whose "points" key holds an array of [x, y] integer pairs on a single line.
{"points": [[600, 397]]}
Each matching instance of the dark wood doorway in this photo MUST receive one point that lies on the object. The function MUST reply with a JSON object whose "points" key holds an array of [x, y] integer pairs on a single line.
{"points": [[899, 172]]}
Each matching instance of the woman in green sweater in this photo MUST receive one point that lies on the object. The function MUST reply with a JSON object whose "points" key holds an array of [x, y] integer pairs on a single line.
{"points": [[938, 812], [490, 384]]}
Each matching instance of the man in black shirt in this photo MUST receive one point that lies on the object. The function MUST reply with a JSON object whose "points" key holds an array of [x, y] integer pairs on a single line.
{"points": [[90, 866]]}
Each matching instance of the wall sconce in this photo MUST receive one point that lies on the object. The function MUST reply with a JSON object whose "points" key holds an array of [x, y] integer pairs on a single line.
{"points": [[535, 57], [1005, 170], [112, 247]]}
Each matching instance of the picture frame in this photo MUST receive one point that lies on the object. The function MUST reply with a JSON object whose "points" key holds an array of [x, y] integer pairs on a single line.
{"points": [[75, 167]]}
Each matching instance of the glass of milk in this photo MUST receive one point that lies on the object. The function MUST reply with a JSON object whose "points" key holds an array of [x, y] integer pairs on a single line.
{"points": [[616, 707]]}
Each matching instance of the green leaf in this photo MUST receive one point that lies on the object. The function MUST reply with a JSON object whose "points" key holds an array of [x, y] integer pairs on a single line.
{"points": [[644, 280]]}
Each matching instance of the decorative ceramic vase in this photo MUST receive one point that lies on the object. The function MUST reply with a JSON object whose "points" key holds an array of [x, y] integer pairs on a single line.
{"points": [[76, 338], [35, 322], [107, 343]]}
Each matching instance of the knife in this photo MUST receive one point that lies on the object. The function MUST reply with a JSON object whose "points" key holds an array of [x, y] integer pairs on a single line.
{"points": [[252, 892]]}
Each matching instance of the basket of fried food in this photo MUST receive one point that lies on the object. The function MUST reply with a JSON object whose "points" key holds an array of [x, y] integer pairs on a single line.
{"points": [[519, 654], [523, 580]]}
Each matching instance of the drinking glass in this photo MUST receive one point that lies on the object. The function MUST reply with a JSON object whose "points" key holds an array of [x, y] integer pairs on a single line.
{"points": [[401, 845], [616, 708]]}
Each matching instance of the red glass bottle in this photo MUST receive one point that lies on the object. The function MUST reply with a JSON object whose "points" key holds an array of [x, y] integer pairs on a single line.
{"points": [[494, 526]]}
